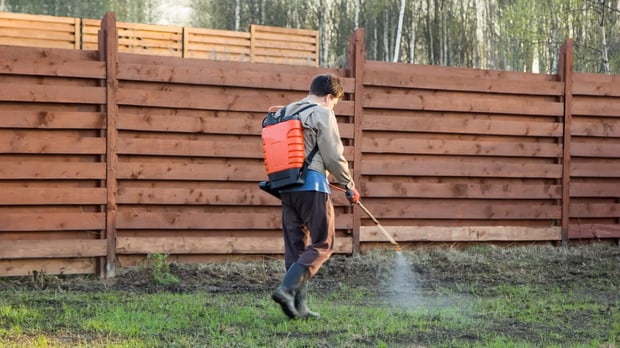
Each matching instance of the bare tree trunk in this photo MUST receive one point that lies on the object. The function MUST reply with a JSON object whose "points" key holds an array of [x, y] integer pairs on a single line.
{"points": [[324, 34], [386, 42], [412, 39], [296, 16], [604, 48], [554, 28], [444, 34], [430, 34], [399, 31], [262, 12], [357, 13], [237, 10], [375, 43]]}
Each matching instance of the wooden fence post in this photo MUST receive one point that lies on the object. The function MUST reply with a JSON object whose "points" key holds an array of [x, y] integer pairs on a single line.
{"points": [[565, 70], [356, 70], [108, 52], [252, 43]]}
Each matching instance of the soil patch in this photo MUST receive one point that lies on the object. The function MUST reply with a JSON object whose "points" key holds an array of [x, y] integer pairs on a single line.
{"points": [[485, 267]]}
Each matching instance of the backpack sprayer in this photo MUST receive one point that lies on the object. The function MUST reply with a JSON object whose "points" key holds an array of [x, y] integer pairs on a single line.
{"points": [[283, 151], [387, 235]]}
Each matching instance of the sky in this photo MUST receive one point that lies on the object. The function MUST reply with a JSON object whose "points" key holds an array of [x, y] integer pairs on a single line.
{"points": [[174, 12]]}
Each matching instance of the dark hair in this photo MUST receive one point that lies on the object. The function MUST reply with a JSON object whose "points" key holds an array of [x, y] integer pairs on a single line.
{"points": [[323, 85]]}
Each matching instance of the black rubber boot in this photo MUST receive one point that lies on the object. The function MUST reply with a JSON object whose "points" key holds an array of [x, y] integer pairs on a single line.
{"points": [[285, 293], [302, 307]]}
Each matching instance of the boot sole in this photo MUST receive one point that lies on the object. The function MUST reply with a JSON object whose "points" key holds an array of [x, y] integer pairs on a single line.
{"points": [[288, 305]]}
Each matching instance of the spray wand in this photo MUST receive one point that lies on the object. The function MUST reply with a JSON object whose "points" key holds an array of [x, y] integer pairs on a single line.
{"points": [[387, 235]]}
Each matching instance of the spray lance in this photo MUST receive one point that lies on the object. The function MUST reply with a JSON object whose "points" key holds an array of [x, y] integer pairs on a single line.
{"points": [[359, 203]]}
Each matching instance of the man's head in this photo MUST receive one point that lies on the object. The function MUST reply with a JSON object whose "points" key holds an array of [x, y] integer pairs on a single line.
{"points": [[328, 89]]}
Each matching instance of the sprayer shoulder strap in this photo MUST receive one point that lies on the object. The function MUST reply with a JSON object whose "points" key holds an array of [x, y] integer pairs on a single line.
{"points": [[315, 149]]}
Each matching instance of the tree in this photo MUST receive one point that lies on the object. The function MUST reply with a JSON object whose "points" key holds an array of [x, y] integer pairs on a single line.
{"points": [[520, 35], [126, 10], [399, 31]]}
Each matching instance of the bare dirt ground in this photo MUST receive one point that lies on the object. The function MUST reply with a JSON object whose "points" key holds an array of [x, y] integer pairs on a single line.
{"points": [[483, 267], [591, 270]]}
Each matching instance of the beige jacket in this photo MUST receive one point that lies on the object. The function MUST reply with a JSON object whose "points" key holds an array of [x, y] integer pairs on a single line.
{"points": [[320, 127]]}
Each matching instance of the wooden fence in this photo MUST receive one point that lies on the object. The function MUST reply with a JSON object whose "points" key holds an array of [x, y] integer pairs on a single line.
{"points": [[109, 156], [262, 44]]}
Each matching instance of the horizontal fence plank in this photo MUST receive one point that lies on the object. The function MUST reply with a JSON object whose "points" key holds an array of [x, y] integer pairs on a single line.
{"points": [[425, 166], [267, 68], [596, 84], [32, 249], [188, 124], [52, 94], [590, 231], [602, 127], [30, 19], [280, 33], [407, 145], [597, 149], [214, 221], [594, 210], [51, 170], [46, 142], [216, 74], [50, 62], [460, 234], [455, 72], [52, 195], [181, 99], [223, 170], [31, 42], [471, 80], [26, 267], [220, 124], [51, 119], [599, 169], [196, 148], [472, 102], [212, 245], [52, 221], [463, 209], [515, 190], [195, 196], [594, 189], [459, 124], [595, 107]]}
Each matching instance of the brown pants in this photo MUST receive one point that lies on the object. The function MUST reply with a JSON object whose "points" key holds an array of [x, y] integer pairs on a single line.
{"points": [[309, 228]]}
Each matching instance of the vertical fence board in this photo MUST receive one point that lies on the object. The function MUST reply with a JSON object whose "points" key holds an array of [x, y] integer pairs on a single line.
{"points": [[108, 49], [356, 69], [566, 75]]}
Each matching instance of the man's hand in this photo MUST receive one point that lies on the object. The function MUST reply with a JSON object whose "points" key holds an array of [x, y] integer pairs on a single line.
{"points": [[352, 195]]}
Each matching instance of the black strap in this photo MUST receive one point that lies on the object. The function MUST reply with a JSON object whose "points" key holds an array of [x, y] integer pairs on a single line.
{"points": [[308, 160], [315, 149], [284, 117]]}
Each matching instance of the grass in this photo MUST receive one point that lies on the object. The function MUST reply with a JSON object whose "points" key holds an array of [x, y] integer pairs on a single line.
{"points": [[469, 309]]}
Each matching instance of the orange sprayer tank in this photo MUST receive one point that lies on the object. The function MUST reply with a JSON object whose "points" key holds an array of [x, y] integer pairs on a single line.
{"points": [[283, 146], [283, 151]]}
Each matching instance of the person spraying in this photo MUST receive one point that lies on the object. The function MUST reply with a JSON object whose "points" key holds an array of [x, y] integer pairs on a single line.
{"points": [[308, 220]]}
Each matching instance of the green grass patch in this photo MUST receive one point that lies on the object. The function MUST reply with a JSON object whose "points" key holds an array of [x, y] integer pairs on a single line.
{"points": [[442, 309]]}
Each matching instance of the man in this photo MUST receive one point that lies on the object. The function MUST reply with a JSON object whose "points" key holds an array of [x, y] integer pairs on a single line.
{"points": [[307, 210]]}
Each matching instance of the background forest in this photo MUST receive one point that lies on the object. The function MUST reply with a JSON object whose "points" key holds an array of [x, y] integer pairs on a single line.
{"points": [[516, 35]]}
